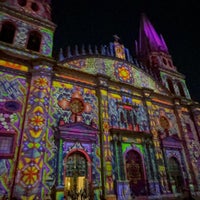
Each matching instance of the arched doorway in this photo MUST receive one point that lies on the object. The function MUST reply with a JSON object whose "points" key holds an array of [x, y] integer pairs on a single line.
{"points": [[135, 173], [76, 179], [176, 177]]}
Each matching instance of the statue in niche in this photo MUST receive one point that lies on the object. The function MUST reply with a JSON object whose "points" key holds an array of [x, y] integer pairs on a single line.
{"points": [[122, 120], [131, 119]]}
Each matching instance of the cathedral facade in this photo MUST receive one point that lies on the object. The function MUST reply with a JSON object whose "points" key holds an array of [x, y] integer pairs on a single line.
{"points": [[96, 123]]}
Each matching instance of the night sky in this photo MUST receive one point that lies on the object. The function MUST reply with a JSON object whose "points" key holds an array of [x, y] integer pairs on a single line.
{"points": [[95, 22]]}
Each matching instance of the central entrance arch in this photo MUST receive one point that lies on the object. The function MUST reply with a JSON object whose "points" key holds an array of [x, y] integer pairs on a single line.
{"points": [[77, 175], [76, 144], [135, 173]]}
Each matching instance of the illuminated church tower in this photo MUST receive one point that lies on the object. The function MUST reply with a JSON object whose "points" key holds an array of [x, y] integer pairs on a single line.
{"points": [[152, 51], [96, 123], [26, 41]]}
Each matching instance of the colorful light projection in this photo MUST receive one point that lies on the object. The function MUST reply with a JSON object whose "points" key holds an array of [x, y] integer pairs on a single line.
{"points": [[152, 41], [13, 65], [77, 64], [63, 99], [117, 71], [119, 49], [126, 113], [190, 136], [32, 167], [169, 117], [109, 183], [176, 82], [47, 42], [71, 104], [123, 72], [164, 125], [134, 169], [22, 32], [13, 88], [135, 172]]}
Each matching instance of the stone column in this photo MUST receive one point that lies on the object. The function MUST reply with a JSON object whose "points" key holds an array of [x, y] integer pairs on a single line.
{"points": [[153, 180], [116, 158], [121, 159]]}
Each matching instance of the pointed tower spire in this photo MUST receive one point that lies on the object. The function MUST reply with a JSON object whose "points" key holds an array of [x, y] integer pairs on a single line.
{"points": [[149, 39], [151, 48], [152, 52]]}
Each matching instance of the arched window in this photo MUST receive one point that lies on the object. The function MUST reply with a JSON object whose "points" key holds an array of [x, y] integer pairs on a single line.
{"points": [[7, 32], [176, 177], [154, 61], [170, 85], [135, 173], [34, 41], [164, 61], [180, 87]]}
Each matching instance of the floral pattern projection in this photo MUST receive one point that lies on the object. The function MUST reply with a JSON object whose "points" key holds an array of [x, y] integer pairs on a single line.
{"points": [[163, 124], [70, 104], [63, 96], [32, 169], [13, 89], [132, 75], [118, 71]]}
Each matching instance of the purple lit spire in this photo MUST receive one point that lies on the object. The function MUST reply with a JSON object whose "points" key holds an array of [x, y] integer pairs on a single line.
{"points": [[149, 39]]}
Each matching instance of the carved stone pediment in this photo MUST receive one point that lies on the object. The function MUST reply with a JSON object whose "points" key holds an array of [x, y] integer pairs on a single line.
{"points": [[78, 131]]}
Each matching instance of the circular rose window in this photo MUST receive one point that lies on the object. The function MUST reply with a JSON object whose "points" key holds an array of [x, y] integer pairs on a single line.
{"points": [[76, 106]]}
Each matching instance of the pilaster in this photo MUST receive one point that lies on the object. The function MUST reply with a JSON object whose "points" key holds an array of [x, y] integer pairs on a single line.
{"points": [[153, 179], [32, 170], [159, 183], [191, 171], [105, 138]]}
